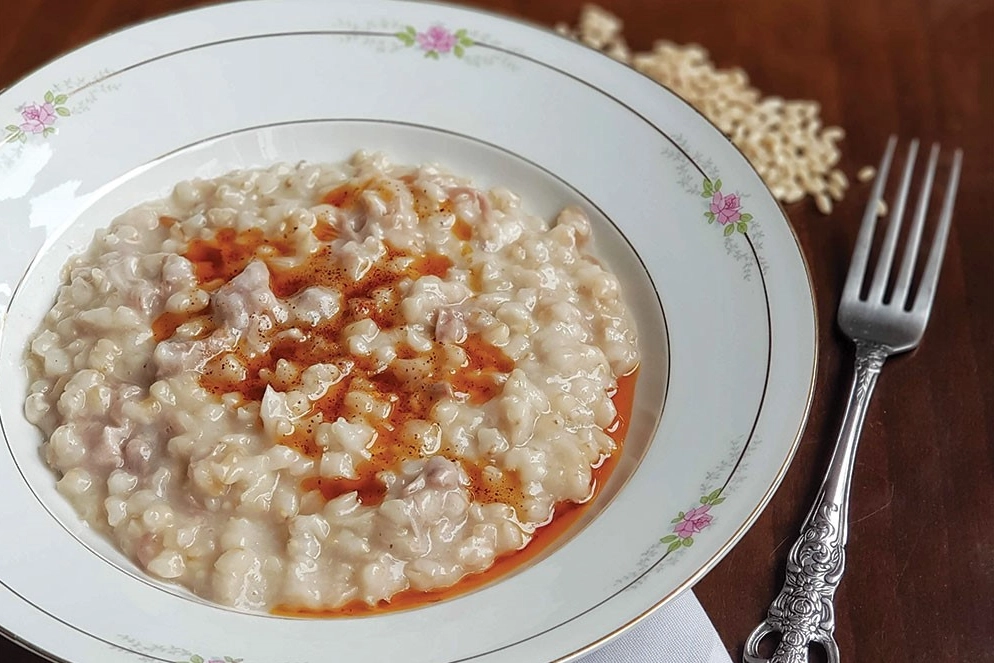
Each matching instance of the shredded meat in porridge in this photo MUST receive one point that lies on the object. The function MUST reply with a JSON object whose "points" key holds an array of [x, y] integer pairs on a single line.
{"points": [[316, 385]]}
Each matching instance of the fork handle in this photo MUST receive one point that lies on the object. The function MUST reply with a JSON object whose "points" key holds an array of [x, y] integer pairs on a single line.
{"points": [[803, 612]]}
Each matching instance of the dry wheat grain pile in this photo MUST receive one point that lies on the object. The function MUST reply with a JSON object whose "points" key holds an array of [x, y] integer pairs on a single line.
{"points": [[785, 140]]}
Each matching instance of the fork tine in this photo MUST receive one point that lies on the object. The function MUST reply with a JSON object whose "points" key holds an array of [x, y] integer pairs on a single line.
{"points": [[926, 291], [903, 283], [887, 249], [861, 253]]}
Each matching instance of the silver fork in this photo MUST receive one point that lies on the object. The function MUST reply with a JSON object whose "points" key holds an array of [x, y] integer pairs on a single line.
{"points": [[803, 612]]}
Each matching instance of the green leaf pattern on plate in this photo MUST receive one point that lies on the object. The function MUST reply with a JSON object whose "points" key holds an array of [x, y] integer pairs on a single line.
{"points": [[725, 208], [197, 658], [38, 118], [436, 41], [688, 523]]}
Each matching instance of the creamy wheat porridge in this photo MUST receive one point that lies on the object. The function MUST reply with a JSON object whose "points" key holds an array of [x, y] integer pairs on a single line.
{"points": [[319, 386]]}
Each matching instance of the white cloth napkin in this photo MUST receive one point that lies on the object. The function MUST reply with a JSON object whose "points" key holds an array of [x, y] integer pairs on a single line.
{"points": [[679, 632]]}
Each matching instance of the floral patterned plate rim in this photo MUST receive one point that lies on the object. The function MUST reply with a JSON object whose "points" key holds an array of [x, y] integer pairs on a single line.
{"points": [[723, 299]]}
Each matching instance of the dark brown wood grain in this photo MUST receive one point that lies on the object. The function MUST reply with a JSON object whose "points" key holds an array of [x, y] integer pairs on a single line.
{"points": [[920, 578]]}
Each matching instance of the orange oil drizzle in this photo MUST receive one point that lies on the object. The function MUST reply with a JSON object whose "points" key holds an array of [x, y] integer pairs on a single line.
{"points": [[565, 516], [325, 232], [223, 257], [462, 230], [219, 259], [165, 325]]}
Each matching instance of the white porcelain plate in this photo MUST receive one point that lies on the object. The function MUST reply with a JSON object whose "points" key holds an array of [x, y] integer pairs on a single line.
{"points": [[707, 259]]}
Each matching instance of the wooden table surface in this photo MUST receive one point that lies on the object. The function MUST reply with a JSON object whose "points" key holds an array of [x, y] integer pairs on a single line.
{"points": [[919, 584]]}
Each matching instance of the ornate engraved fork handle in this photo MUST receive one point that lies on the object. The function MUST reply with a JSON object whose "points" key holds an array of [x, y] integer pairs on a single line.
{"points": [[803, 611]]}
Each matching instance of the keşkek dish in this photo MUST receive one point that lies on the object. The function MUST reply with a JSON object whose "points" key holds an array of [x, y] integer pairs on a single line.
{"points": [[314, 387]]}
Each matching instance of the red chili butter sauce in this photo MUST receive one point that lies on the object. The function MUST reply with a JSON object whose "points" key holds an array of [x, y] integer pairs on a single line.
{"points": [[565, 516], [479, 377]]}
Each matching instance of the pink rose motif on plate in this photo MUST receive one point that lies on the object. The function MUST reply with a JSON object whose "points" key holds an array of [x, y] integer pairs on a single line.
{"points": [[694, 521], [725, 208], [38, 118], [689, 523], [436, 38], [436, 41]]}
